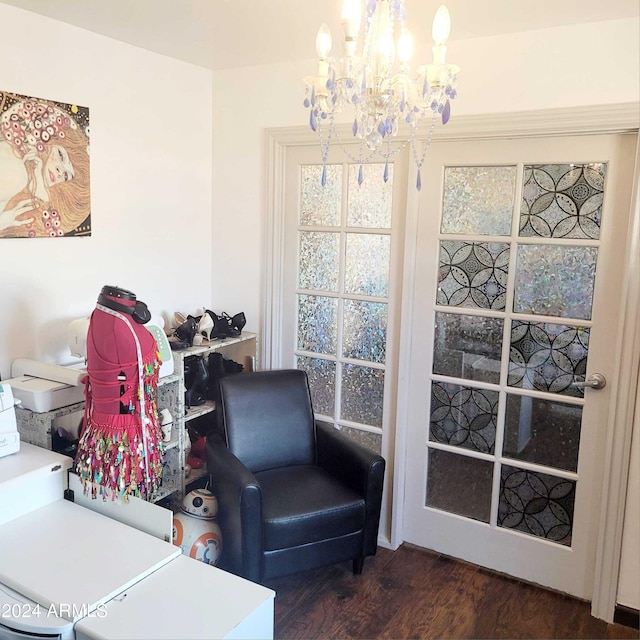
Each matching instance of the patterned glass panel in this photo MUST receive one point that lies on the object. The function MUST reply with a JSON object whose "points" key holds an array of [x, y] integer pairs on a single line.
{"points": [[320, 206], [537, 504], [322, 382], [317, 324], [555, 280], [364, 330], [543, 431], [367, 264], [562, 200], [468, 347], [478, 200], [459, 484], [473, 274], [362, 394], [548, 357], [369, 203], [463, 417], [318, 266]]}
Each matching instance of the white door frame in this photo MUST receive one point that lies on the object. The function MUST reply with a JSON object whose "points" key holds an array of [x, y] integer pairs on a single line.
{"points": [[617, 118]]}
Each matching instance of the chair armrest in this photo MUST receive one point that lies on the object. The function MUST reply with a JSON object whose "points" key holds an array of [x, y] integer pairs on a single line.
{"points": [[239, 511], [359, 468]]}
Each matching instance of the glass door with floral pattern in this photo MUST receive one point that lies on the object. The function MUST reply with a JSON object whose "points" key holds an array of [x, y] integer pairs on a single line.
{"points": [[517, 285]]}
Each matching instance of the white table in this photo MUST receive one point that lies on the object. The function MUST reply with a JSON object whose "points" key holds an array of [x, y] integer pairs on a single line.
{"points": [[108, 579]]}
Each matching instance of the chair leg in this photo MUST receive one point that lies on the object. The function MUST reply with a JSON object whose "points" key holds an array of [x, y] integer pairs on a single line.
{"points": [[358, 564]]}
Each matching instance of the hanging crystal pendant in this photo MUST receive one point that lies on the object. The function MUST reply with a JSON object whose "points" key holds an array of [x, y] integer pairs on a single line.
{"points": [[446, 112]]}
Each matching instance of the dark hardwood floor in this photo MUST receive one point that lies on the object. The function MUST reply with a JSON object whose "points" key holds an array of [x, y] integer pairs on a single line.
{"points": [[412, 593]]}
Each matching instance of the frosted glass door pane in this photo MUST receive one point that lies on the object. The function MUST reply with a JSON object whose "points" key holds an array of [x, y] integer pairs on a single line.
{"points": [[562, 200], [367, 264], [362, 394], [459, 484], [555, 280], [320, 206], [364, 330], [369, 203], [317, 324], [542, 431], [322, 382], [467, 347], [478, 200], [319, 261]]}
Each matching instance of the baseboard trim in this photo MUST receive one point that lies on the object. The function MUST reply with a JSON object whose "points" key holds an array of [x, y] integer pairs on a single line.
{"points": [[627, 616]]}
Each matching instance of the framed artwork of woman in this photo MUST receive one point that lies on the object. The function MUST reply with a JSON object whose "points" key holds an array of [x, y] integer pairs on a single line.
{"points": [[44, 168]]}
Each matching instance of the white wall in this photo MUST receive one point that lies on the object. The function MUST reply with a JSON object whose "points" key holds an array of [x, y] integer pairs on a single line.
{"points": [[246, 102], [150, 183]]}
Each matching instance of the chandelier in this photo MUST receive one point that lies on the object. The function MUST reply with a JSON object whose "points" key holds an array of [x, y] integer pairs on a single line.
{"points": [[379, 85]]}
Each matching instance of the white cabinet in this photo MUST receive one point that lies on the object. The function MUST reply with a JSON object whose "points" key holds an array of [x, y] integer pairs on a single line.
{"points": [[185, 599]]}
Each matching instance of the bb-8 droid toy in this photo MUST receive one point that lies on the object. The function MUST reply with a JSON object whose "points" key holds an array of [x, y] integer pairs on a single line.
{"points": [[195, 530]]}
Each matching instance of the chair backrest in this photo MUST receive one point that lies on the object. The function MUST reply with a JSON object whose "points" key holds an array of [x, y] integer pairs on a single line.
{"points": [[268, 418]]}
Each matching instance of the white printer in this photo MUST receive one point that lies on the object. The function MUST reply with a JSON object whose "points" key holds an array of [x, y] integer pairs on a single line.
{"points": [[9, 436]]}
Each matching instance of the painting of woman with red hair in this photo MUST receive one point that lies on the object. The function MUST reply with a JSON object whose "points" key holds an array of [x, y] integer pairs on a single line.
{"points": [[44, 168]]}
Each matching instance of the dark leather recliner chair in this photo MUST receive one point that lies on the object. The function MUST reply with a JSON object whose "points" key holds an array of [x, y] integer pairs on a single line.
{"points": [[292, 494]]}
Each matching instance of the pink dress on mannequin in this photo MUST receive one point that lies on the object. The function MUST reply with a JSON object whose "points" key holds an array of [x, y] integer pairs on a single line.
{"points": [[120, 448]]}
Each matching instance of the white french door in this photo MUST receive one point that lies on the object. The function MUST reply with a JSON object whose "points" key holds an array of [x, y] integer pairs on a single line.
{"points": [[517, 285], [341, 271]]}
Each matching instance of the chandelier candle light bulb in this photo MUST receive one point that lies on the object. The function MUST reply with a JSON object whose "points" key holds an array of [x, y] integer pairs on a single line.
{"points": [[387, 99], [323, 48], [440, 32], [350, 18], [405, 49]]}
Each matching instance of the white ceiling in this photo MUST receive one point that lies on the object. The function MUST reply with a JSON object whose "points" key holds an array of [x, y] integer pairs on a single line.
{"points": [[220, 34]]}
